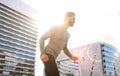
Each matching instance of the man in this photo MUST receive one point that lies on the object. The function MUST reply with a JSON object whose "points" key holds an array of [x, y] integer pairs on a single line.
{"points": [[58, 36]]}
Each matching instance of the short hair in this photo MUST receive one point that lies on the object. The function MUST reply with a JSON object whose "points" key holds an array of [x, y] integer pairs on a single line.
{"points": [[69, 14]]}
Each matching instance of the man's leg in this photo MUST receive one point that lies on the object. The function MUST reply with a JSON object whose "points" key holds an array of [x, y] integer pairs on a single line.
{"points": [[51, 67]]}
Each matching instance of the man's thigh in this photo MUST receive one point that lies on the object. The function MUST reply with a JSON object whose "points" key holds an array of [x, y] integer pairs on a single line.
{"points": [[51, 67]]}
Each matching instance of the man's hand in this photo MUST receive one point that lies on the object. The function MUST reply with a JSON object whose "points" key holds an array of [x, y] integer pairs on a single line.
{"points": [[44, 58], [74, 58]]}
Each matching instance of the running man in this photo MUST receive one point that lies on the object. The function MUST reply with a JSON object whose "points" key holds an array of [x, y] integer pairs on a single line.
{"points": [[58, 36]]}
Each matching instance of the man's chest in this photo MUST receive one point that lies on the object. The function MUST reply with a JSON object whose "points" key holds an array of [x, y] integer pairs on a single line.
{"points": [[61, 35]]}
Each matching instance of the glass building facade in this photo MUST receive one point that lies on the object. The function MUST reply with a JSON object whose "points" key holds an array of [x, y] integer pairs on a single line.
{"points": [[18, 38], [108, 57]]}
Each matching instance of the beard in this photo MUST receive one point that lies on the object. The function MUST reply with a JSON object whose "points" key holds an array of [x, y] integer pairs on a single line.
{"points": [[72, 24]]}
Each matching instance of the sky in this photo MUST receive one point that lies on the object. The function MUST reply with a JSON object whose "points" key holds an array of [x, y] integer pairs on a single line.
{"points": [[96, 20]]}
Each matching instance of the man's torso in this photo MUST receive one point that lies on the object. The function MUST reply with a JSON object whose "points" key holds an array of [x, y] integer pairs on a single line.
{"points": [[57, 41]]}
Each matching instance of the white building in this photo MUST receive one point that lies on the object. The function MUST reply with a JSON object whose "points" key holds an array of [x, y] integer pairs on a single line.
{"points": [[96, 59]]}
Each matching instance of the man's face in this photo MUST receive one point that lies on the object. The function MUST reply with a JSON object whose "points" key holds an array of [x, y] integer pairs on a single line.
{"points": [[71, 20]]}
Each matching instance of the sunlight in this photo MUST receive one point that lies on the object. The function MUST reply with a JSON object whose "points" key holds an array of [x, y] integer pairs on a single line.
{"points": [[93, 19]]}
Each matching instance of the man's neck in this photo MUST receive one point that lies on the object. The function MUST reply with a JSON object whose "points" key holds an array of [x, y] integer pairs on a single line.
{"points": [[66, 25]]}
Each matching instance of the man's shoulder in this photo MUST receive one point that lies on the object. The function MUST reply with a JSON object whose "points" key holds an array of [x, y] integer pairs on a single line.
{"points": [[53, 29]]}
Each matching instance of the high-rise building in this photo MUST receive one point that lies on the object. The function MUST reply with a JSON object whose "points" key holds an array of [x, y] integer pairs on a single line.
{"points": [[95, 59], [18, 38], [108, 59]]}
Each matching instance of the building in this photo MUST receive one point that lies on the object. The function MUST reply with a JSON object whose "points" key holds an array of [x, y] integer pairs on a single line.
{"points": [[108, 58], [18, 38], [95, 59], [117, 63]]}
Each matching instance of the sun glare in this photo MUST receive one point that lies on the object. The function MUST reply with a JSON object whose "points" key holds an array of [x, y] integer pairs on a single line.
{"points": [[93, 19]]}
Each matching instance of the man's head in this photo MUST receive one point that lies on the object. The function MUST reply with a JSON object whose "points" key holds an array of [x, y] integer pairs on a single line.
{"points": [[70, 18]]}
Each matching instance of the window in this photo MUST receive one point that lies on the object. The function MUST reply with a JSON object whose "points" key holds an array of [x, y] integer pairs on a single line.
{"points": [[2, 56], [8, 68]]}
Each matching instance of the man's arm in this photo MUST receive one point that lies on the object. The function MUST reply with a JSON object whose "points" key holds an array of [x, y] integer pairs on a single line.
{"points": [[47, 35], [65, 49]]}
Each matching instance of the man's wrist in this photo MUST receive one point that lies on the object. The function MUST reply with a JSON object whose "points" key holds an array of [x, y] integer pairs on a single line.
{"points": [[42, 53], [71, 56]]}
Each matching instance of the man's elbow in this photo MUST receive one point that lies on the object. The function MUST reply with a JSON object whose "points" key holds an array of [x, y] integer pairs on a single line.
{"points": [[64, 49]]}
